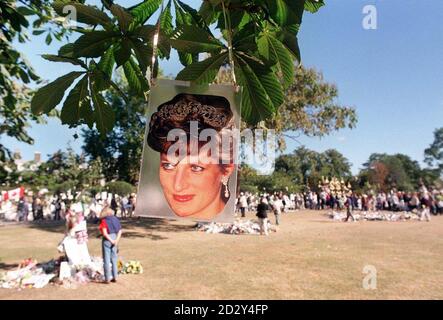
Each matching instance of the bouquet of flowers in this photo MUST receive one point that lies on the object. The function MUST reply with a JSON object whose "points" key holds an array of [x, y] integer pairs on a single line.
{"points": [[132, 267]]}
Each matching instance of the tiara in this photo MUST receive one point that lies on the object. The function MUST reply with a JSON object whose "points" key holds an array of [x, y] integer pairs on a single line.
{"points": [[181, 110]]}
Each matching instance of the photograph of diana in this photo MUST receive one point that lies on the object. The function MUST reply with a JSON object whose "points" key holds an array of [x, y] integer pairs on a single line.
{"points": [[189, 167]]}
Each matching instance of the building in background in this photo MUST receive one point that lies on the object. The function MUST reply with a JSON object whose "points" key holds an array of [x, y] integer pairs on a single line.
{"points": [[23, 165]]}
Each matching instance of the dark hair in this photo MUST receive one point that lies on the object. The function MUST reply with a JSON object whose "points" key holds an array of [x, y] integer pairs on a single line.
{"points": [[211, 112]]}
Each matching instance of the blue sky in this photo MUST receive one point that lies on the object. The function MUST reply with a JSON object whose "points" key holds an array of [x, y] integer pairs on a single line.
{"points": [[393, 76]]}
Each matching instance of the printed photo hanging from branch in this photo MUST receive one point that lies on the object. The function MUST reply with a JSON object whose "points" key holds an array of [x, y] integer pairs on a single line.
{"points": [[189, 166]]}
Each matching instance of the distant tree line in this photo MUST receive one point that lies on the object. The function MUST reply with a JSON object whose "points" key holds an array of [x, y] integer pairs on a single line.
{"points": [[303, 170]]}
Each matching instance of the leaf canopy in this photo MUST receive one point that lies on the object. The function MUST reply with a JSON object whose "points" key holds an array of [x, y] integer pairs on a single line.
{"points": [[264, 46]]}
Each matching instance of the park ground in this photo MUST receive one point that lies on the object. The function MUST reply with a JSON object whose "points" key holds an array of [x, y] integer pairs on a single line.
{"points": [[309, 257]]}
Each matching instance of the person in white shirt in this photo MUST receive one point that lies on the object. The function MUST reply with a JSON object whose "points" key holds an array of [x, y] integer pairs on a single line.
{"points": [[426, 207], [243, 202], [277, 205], [75, 241]]}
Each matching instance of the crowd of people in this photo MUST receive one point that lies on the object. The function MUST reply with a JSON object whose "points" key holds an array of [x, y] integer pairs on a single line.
{"points": [[425, 201], [390, 201], [59, 207], [101, 209]]}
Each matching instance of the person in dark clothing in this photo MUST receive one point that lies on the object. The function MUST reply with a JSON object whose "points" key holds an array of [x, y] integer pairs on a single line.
{"points": [[262, 215], [349, 208], [114, 205], [131, 205], [354, 201], [22, 209], [57, 209], [38, 209], [34, 210]]}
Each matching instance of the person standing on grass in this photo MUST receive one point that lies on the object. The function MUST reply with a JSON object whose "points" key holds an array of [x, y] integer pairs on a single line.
{"points": [[39, 209], [111, 230], [114, 205], [426, 204], [123, 203], [131, 205], [22, 209], [34, 208], [57, 209], [277, 206], [243, 202], [439, 200], [262, 215], [349, 208]]}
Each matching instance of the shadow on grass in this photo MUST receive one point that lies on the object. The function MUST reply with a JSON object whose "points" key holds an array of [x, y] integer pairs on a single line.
{"points": [[8, 266], [137, 227], [325, 221]]}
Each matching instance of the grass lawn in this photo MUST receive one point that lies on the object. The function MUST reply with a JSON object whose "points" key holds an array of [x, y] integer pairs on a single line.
{"points": [[309, 257]]}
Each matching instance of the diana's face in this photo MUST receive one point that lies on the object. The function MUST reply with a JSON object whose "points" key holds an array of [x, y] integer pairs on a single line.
{"points": [[192, 189]]}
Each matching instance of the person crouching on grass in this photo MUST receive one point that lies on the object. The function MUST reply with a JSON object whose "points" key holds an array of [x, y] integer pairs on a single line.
{"points": [[111, 230]]}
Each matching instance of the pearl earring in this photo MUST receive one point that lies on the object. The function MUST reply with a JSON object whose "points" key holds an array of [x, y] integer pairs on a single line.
{"points": [[225, 183]]}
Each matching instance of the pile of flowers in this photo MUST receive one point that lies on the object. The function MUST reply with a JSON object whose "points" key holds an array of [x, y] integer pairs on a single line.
{"points": [[130, 267], [375, 216], [238, 227], [29, 274]]}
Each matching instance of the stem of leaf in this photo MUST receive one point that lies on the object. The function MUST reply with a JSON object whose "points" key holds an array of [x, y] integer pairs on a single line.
{"points": [[230, 52]]}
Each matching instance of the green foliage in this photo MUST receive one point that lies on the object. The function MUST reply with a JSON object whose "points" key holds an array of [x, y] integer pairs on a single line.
{"points": [[120, 150], [313, 5], [308, 166], [144, 10], [192, 39], [50, 95], [431, 177], [137, 83], [15, 71], [286, 12], [310, 108], [434, 154], [120, 187], [203, 71], [396, 171], [63, 171], [71, 112], [295, 171], [274, 51], [305, 168], [260, 87], [248, 188], [85, 14], [94, 44], [264, 51]]}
